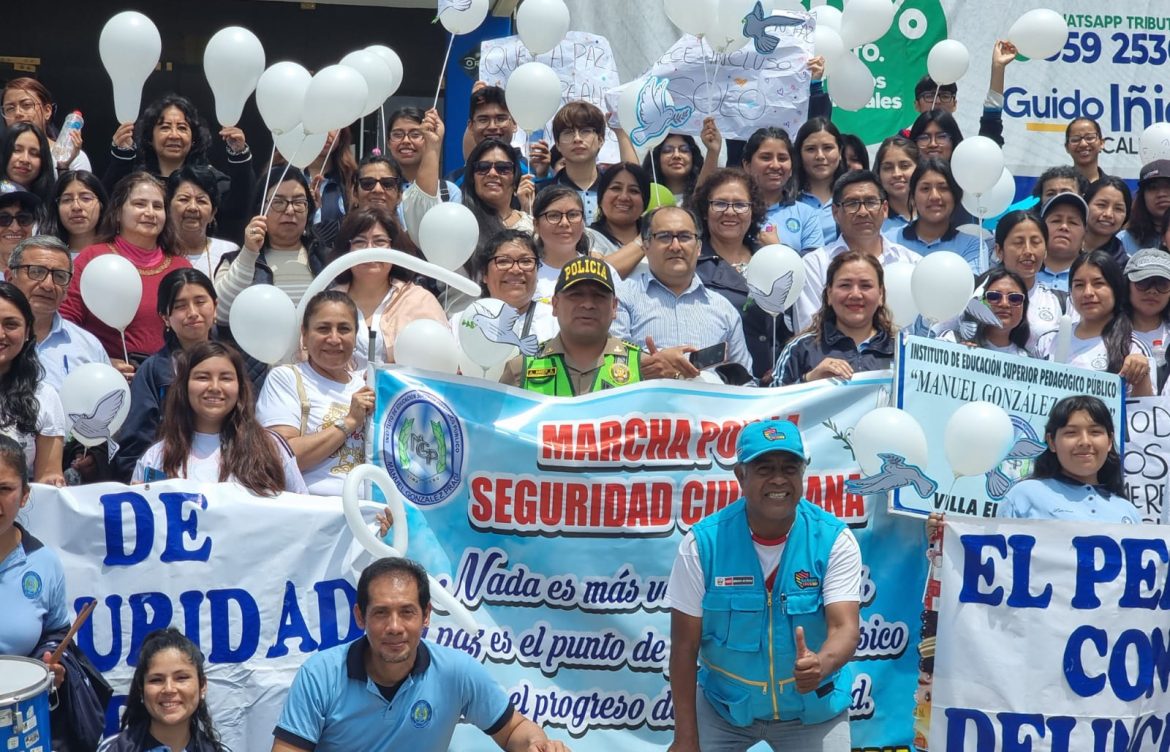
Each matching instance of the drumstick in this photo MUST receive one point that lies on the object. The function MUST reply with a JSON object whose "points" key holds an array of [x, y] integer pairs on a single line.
{"points": [[81, 617]]}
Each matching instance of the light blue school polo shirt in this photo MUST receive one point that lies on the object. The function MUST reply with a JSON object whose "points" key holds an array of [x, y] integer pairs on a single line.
{"points": [[967, 246], [334, 706], [798, 225], [824, 211], [32, 596], [1063, 498]]}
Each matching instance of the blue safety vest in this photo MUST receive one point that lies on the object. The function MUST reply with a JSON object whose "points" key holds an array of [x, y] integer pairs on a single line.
{"points": [[748, 649]]}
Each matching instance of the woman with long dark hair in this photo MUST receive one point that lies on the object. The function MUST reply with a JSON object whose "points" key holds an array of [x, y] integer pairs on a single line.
{"points": [[30, 409], [169, 134], [1021, 245], [1006, 295], [935, 198], [27, 161], [1079, 476], [1109, 200], [209, 430], [768, 158], [1103, 339], [561, 236], [678, 164], [819, 162], [81, 201], [27, 100], [166, 707], [492, 180], [1150, 204], [896, 159]]}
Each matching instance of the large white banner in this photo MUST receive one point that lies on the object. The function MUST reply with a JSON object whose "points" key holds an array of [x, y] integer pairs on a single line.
{"points": [[259, 583], [1052, 636], [1147, 456]]}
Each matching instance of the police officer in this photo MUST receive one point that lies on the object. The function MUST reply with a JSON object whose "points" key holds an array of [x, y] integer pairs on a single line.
{"points": [[765, 597], [583, 358]]}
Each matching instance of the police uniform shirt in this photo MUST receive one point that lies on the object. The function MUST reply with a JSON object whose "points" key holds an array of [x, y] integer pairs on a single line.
{"points": [[32, 589], [334, 706], [1063, 498], [581, 379]]}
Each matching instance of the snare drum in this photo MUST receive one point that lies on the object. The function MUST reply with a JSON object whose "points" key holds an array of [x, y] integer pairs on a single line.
{"points": [[24, 704]]}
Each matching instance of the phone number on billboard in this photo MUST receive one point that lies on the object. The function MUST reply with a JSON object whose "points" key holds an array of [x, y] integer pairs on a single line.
{"points": [[1137, 48]]}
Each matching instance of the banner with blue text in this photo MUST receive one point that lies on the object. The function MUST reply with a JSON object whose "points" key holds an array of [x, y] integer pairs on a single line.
{"points": [[557, 521]]}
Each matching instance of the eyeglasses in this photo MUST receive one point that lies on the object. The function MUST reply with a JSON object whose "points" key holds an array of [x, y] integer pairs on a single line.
{"points": [[666, 238], [368, 184], [483, 121], [24, 219], [503, 263], [501, 168], [669, 149], [945, 97], [1088, 138], [556, 217], [924, 139], [571, 134], [12, 108], [358, 244], [1014, 299], [37, 273], [1160, 285], [738, 207], [856, 205], [299, 205], [85, 199], [398, 134]]}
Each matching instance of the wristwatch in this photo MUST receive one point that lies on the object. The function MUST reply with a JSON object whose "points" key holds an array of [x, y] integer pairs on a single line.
{"points": [[340, 423]]}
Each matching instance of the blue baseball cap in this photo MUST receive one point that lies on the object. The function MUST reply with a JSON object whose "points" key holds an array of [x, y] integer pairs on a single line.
{"points": [[758, 439]]}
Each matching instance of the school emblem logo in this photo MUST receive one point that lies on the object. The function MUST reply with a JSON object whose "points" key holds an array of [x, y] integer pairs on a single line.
{"points": [[805, 580], [1100, 363], [421, 713], [793, 224], [31, 584], [1046, 314], [423, 447]]}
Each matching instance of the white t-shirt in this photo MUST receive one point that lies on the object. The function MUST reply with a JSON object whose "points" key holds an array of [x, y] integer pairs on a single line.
{"points": [[546, 280], [207, 261], [1009, 348], [842, 577], [1088, 353], [280, 405], [204, 460], [50, 422]]}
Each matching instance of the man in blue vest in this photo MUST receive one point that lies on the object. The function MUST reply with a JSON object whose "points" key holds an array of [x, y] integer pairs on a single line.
{"points": [[765, 599]]}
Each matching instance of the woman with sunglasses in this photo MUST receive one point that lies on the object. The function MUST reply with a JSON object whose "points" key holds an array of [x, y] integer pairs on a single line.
{"points": [[386, 297], [1103, 339], [1006, 294], [1148, 306], [492, 184], [18, 217], [81, 202]]}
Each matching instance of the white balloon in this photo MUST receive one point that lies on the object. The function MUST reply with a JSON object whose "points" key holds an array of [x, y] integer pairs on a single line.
{"points": [[233, 62], [263, 321], [866, 21], [484, 352], [471, 369], [942, 284], [888, 430], [354, 479], [1039, 33], [947, 61], [900, 293], [111, 289], [280, 95], [95, 398], [542, 24], [827, 44], [130, 47], [448, 234], [533, 93], [995, 201], [774, 263], [977, 164], [851, 85], [977, 438], [462, 21], [334, 98], [300, 148], [827, 17], [390, 57], [426, 344], [377, 74], [692, 16], [1155, 143]]}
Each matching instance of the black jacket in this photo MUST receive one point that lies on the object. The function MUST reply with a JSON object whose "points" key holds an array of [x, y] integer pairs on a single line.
{"points": [[805, 352]]}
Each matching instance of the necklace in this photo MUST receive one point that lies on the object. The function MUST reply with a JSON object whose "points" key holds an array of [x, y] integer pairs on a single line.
{"points": [[166, 263]]}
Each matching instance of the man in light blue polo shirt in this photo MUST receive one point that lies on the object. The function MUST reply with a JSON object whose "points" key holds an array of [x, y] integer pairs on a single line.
{"points": [[390, 690]]}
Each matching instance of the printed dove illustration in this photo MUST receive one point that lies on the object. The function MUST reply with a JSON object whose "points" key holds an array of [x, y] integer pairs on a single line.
{"points": [[499, 328], [775, 298], [1027, 446], [975, 314], [457, 5], [754, 26], [656, 113], [894, 473], [96, 425]]}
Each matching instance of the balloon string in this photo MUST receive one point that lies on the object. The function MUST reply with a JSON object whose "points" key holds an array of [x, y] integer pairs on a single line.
{"points": [[125, 352], [268, 205], [382, 143], [329, 151], [984, 256], [706, 73], [934, 102], [361, 137], [268, 172], [653, 169], [442, 71], [773, 347]]}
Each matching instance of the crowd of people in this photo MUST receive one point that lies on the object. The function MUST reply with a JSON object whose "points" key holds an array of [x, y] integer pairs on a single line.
{"points": [[617, 288]]}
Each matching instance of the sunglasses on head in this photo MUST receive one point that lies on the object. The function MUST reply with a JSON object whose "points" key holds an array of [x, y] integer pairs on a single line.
{"points": [[24, 219], [1013, 298], [501, 168]]}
